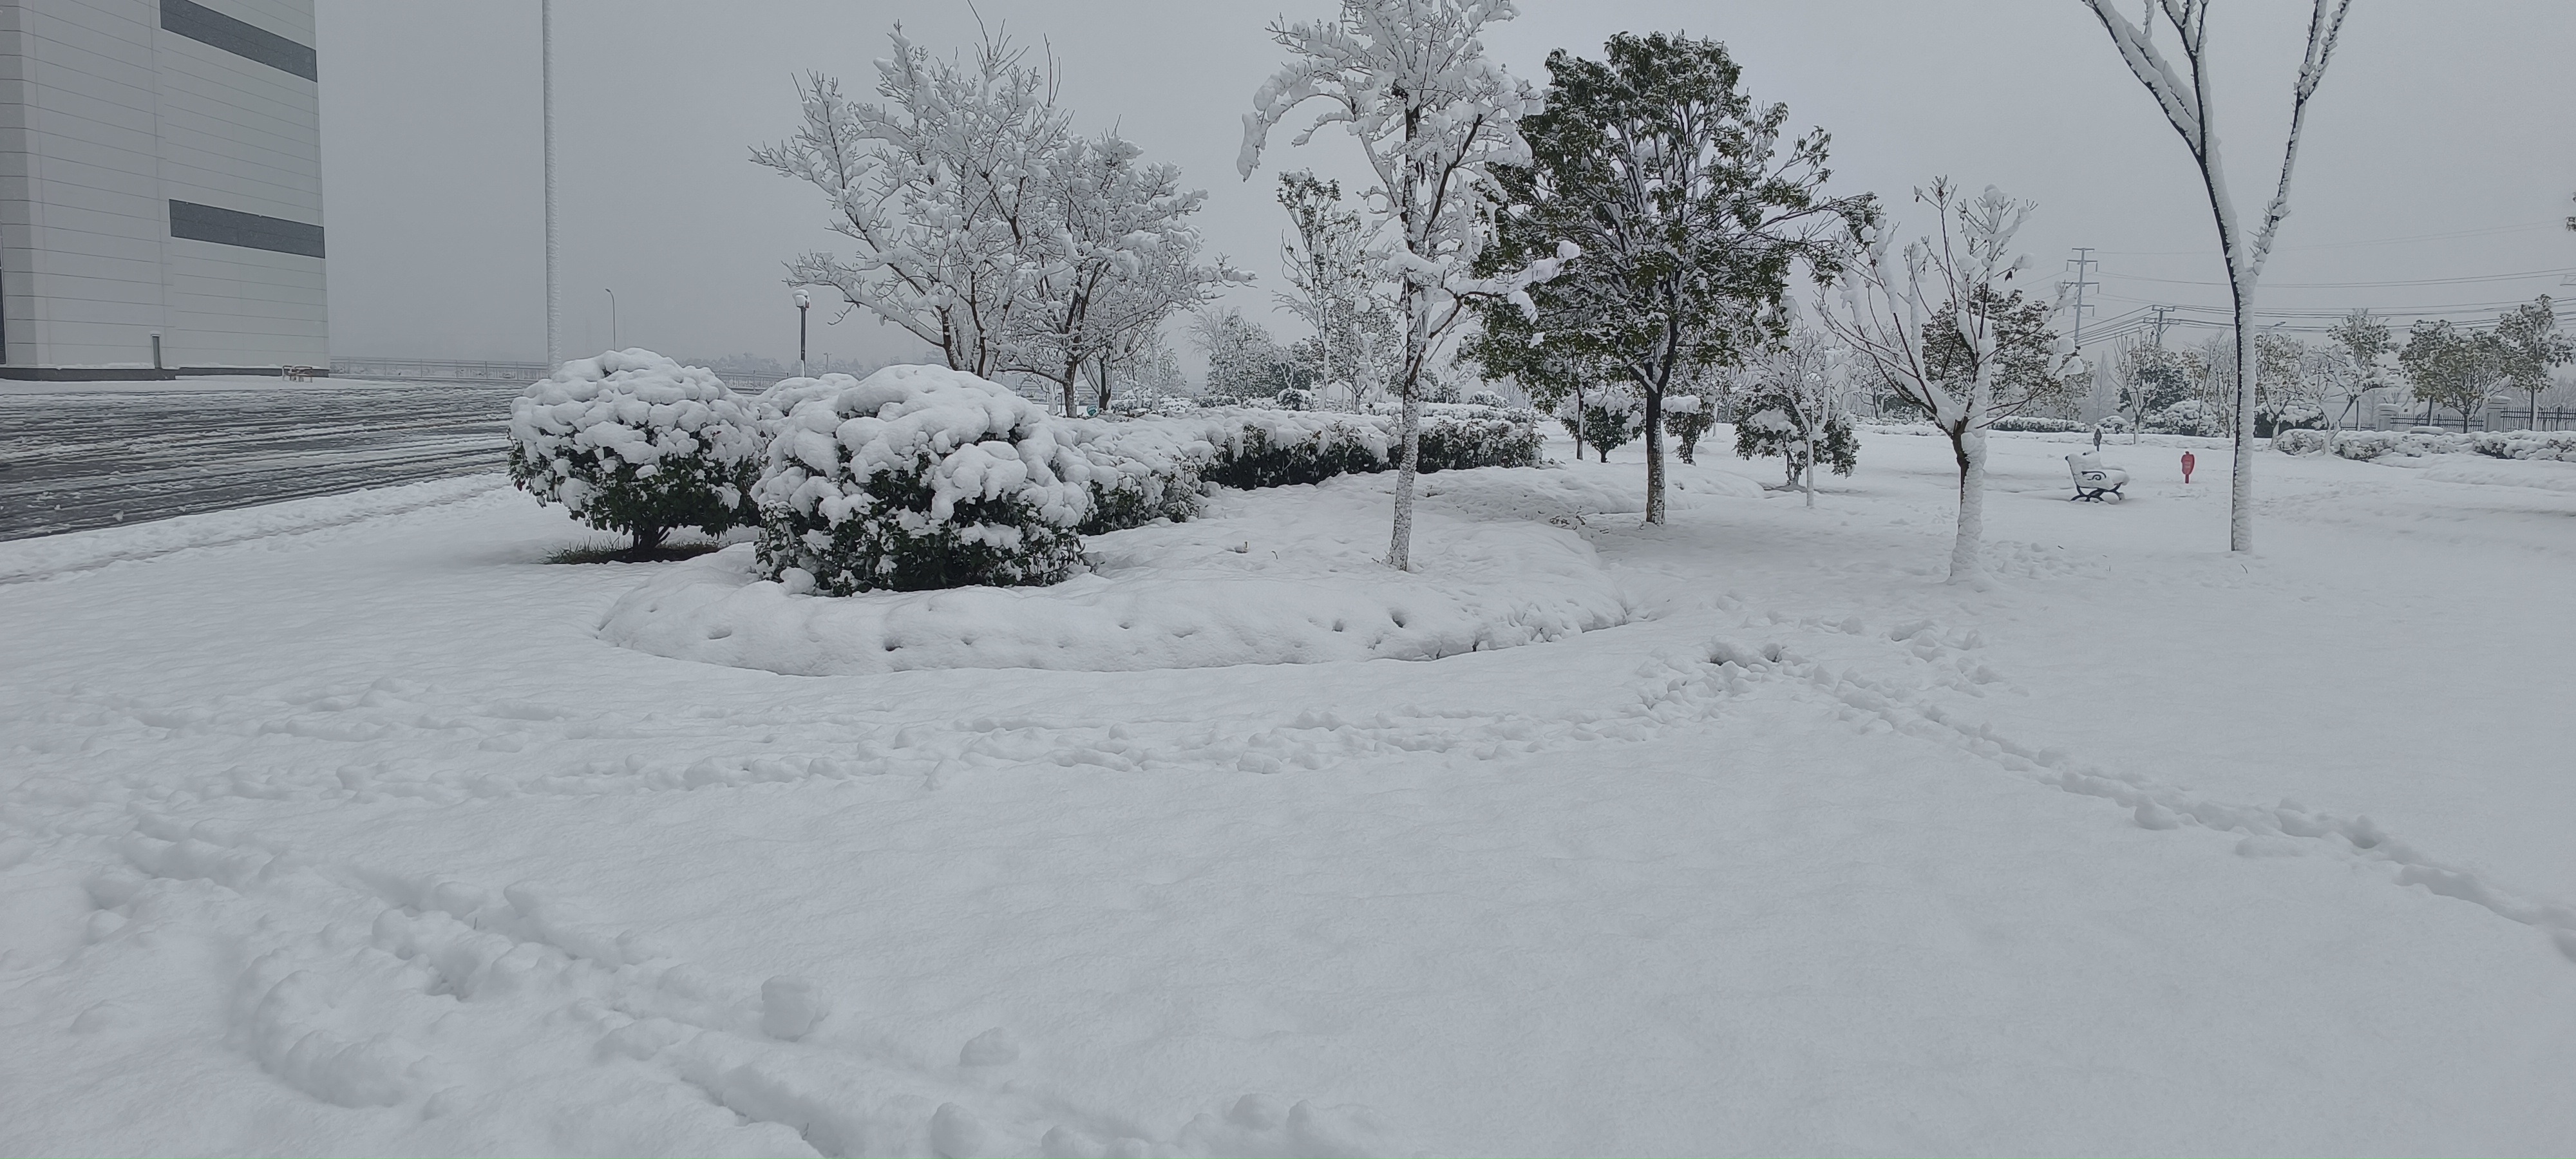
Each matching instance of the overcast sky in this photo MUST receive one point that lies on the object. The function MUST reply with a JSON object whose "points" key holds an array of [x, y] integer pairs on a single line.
{"points": [[2436, 153]]}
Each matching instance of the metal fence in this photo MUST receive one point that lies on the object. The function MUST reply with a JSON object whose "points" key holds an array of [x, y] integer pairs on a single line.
{"points": [[2502, 416]]}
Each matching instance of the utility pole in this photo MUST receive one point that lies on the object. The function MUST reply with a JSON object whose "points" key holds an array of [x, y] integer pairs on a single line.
{"points": [[2161, 311], [554, 296], [612, 319], [2083, 263]]}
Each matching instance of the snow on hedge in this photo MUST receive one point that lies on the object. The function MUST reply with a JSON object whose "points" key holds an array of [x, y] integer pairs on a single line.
{"points": [[1161, 463], [917, 477], [632, 441], [2368, 445], [1275, 576]]}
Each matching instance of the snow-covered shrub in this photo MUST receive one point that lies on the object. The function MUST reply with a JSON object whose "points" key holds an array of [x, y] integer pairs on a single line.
{"points": [[1141, 470], [2299, 441], [1294, 398], [2113, 424], [2558, 445], [918, 477], [632, 441], [2191, 416], [1689, 416], [1606, 421], [1151, 402], [1769, 431], [1449, 443], [1260, 453], [2368, 445], [1486, 398], [2031, 423]]}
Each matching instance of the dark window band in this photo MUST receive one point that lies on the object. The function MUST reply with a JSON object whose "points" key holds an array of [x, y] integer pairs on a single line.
{"points": [[207, 26], [248, 230]]}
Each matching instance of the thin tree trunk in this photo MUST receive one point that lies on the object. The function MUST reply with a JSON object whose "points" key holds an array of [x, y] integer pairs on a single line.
{"points": [[2240, 484], [1399, 552], [1654, 457], [1812, 464], [1969, 446]]}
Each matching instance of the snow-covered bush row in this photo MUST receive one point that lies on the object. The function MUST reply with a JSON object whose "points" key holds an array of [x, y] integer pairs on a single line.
{"points": [[2191, 416], [922, 477], [919, 477], [632, 441], [1250, 448], [1264, 577], [2368, 445], [2033, 424], [2559, 445]]}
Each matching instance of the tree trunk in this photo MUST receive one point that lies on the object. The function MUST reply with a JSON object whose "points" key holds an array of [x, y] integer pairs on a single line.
{"points": [[1399, 551], [647, 538], [1654, 456], [1104, 384], [1969, 447], [2240, 483], [1814, 461]]}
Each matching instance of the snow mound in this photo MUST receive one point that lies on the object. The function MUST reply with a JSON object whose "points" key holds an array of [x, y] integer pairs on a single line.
{"points": [[1285, 575]]}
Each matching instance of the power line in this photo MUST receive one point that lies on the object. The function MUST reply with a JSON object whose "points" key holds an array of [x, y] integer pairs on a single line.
{"points": [[2558, 273], [2329, 245]]}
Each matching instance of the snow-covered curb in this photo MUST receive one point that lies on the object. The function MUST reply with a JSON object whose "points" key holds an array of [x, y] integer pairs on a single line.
{"points": [[1285, 575]]}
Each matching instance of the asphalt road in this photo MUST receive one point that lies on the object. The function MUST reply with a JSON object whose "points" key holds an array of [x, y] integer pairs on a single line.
{"points": [[82, 455]]}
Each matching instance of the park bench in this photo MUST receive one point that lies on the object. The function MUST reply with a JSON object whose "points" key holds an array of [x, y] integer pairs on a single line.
{"points": [[2095, 483]]}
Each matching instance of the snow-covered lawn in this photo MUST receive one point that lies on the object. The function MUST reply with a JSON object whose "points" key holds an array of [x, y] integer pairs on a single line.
{"points": [[344, 826]]}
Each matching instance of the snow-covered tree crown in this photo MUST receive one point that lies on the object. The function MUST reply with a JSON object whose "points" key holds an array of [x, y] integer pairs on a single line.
{"points": [[939, 186], [1410, 81]]}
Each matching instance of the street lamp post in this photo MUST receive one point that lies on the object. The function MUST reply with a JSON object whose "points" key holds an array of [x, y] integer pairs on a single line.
{"points": [[546, 71], [803, 301], [612, 318]]}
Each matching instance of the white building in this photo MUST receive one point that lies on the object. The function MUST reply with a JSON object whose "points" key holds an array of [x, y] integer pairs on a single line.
{"points": [[160, 187]]}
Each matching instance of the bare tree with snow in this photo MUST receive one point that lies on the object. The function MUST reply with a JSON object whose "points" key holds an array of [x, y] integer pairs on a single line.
{"points": [[2184, 96], [943, 187], [1409, 80], [1126, 260], [1939, 324]]}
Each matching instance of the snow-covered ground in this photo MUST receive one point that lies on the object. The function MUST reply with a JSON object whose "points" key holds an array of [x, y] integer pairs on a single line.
{"points": [[342, 826]]}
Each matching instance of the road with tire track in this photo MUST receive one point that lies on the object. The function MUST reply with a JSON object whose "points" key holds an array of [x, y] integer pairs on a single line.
{"points": [[82, 455]]}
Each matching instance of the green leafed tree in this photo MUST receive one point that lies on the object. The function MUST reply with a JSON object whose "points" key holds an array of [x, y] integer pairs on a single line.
{"points": [[2533, 347], [2454, 368], [1692, 209]]}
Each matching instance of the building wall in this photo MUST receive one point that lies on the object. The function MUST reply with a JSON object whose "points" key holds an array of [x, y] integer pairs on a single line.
{"points": [[108, 117]]}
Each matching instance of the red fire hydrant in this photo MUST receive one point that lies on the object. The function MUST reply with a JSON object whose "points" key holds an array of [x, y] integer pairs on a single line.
{"points": [[2187, 464]]}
